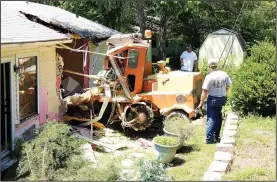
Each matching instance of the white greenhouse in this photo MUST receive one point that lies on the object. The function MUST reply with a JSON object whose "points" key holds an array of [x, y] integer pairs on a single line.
{"points": [[223, 44]]}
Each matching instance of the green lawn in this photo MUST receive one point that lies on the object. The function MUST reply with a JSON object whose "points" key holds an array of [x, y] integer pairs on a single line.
{"points": [[255, 157], [194, 159]]}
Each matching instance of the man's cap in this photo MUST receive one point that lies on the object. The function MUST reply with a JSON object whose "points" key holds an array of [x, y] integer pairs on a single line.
{"points": [[212, 62], [189, 46]]}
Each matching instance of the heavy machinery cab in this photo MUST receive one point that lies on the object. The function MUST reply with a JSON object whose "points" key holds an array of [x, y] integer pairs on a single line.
{"points": [[134, 63]]}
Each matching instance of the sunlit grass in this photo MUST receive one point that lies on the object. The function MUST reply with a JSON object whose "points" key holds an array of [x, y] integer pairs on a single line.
{"points": [[255, 157], [197, 158]]}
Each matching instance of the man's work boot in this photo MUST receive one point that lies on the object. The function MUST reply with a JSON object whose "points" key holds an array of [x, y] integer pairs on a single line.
{"points": [[217, 139], [208, 142]]}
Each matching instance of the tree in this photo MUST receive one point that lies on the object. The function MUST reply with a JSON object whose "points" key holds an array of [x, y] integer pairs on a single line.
{"points": [[160, 14], [180, 21], [258, 22], [117, 15], [141, 17]]}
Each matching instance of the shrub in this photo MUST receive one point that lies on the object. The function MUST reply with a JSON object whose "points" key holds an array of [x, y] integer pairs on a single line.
{"points": [[56, 154], [166, 140], [180, 127], [152, 170], [254, 85], [229, 68], [49, 151], [155, 68]]}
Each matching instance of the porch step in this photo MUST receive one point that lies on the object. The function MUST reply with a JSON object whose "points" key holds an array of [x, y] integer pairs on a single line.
{"points": [[4, 154], [6, 163]]}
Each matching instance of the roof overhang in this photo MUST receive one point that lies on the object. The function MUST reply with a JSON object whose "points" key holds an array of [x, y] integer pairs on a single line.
{"points": [[35, 43]]}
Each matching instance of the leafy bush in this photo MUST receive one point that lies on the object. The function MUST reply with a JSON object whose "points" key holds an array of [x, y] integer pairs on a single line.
{"points": [[56, 154], [152, 170], [228, 67], [155, 68], [180, 127], [49, 151], [254, 85], [166, 140]]}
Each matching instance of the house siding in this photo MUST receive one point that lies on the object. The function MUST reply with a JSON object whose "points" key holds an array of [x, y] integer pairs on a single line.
{"points": [[46, 78]]}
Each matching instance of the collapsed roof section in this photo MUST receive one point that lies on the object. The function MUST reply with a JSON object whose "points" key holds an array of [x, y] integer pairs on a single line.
{"points": [[16, 28], [63, 21]]}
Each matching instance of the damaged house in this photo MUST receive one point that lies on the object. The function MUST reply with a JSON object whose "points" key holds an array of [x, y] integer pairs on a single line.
{"points": [[33, 38], [87, 36]]}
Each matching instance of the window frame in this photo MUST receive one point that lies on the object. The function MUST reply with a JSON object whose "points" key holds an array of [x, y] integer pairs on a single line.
{"points": [[129, 50], [11, 61], [20, 56]]}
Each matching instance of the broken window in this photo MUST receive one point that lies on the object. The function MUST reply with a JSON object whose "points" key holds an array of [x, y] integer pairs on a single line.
{"points": [[28, 94], [133, 58]]}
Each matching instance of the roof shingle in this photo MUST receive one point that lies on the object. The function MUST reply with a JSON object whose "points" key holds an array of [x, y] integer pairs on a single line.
{"points": [[16, 28]]}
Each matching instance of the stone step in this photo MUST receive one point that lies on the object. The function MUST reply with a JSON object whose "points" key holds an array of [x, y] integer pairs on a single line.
{"points": [[223, 156], [232, 116], [228, 140], [231, 127], [231, 122], [229, 133], [127, 163], [88, 153], [212, 176], [219, 166], [225, 148]]}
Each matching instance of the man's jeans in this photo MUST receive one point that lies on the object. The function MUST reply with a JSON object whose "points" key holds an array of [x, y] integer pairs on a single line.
{"points": [[214, 117]]}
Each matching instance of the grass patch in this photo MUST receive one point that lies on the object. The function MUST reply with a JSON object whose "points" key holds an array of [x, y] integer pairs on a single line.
{"points": [[255, 150], [251, 174], [195, 158]]}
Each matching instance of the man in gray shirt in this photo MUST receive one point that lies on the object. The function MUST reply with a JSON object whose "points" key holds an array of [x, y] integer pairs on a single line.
{"points": [[216, 86]]}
